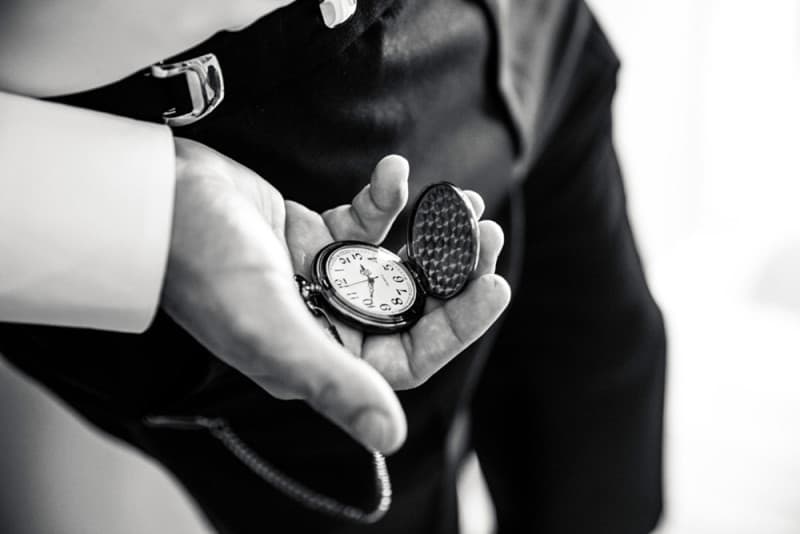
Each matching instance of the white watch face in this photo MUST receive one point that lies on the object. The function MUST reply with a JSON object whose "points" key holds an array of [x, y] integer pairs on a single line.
{"points": [[371, 280]]}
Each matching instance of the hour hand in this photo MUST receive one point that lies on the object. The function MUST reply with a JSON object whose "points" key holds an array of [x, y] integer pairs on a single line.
{"points": [[370, 279]]}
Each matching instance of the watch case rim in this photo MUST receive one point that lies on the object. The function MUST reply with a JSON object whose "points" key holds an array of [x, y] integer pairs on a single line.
{"points": [[354, 317]]}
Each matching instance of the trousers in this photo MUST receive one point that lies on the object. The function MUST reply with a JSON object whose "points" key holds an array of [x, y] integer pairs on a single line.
{"points": [[562, 400]]}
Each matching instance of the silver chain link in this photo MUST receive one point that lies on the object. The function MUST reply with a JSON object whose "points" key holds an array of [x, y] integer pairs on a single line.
{"points": [[221, 430]]}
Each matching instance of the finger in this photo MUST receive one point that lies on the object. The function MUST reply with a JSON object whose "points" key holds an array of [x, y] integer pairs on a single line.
{"points": [[408, 360], [375, 207], [492, 239], [403, 253], [476, 201], [299, 360]]}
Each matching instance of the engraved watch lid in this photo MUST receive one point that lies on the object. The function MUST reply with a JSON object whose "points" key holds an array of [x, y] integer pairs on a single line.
{"points": [[443, 241]]}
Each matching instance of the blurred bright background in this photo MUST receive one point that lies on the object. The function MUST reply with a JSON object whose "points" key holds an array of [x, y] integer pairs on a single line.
{"points": [[707, 128], [708, 119]]}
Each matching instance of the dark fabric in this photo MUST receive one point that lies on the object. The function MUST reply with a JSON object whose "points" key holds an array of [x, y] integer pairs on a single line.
{"points": [[529, 32], [567, 418], [572, 390], [278, 50]]}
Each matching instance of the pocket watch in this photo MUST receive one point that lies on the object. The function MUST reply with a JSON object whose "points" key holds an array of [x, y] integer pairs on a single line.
{"points": [[374, 290]]}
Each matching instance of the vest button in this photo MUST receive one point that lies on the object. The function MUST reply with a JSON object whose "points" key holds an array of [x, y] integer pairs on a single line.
{"points": [[335, 12]]}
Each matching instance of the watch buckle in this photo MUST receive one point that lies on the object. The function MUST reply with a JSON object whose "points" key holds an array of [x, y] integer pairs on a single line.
{"points": [[206, 87]]}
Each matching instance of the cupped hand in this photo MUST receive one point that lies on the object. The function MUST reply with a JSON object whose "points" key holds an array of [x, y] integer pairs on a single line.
{"points": [[409, 358], [236, 245]]}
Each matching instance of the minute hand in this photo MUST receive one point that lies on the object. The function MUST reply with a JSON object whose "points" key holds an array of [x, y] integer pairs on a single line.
{"points": [[356, 283]]}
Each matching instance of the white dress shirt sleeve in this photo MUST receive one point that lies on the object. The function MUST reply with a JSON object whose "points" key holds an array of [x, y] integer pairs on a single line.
{"points": [[86, 204]]}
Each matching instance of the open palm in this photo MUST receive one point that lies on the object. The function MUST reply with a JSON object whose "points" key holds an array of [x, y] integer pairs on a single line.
{"points": [[239, 299], [408, 358]]}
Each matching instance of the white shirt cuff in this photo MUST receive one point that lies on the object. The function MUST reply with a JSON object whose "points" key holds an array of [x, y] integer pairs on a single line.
{"points": [[86, 205]]}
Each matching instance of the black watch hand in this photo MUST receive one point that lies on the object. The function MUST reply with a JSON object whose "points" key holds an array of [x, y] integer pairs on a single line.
{"points": [[355, 283], [370, 279]]}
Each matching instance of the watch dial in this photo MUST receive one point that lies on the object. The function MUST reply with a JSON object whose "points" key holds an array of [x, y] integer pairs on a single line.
{"points": [[371, 280]]}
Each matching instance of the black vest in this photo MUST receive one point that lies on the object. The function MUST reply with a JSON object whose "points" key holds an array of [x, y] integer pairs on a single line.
{"points": [[457, 87]]}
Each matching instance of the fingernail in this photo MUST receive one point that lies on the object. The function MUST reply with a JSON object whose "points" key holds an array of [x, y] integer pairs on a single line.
{"points": [[373, 429]]}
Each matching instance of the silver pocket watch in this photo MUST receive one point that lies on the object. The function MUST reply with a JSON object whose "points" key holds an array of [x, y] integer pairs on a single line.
{"points": [[376, 291]]}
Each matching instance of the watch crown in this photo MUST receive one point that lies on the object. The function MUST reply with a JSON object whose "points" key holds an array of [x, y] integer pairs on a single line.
{"points": [[307, 289]]}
